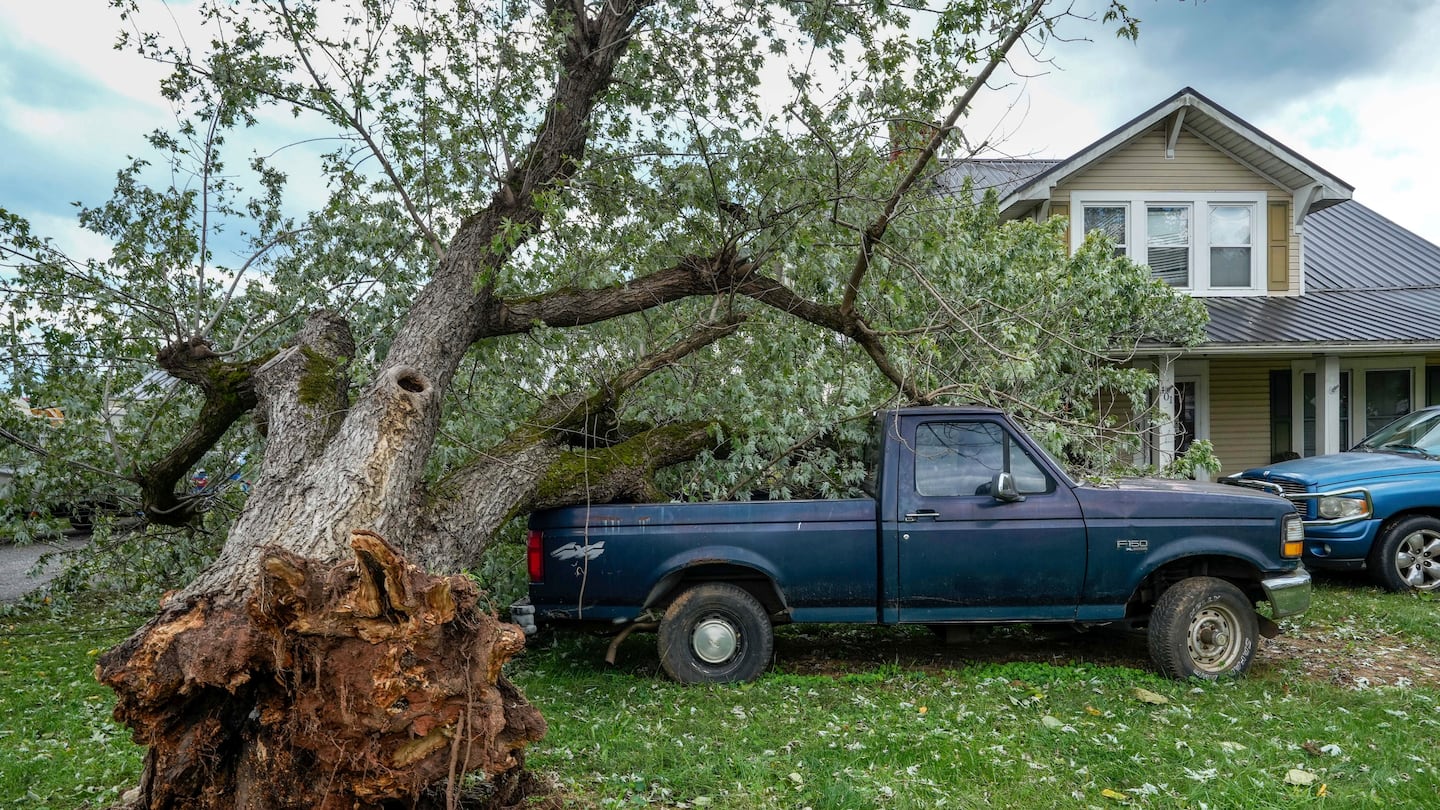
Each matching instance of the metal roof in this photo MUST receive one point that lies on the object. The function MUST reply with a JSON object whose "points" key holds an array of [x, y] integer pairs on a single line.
{"points": [[1003, 175], [1350, 247], [1333, 318]]}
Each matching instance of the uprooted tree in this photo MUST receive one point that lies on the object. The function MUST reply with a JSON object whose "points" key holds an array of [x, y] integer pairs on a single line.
{"points": [[566, 246]]}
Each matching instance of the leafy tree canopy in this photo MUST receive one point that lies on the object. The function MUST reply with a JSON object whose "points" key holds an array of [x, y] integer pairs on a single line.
{"points": [[780, 136]]}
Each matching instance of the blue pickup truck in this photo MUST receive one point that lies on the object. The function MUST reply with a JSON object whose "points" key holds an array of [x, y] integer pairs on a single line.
{"points": [[1374, 507], [969, 522]]}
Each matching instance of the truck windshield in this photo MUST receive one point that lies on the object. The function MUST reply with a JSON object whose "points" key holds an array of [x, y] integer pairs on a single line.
{"points": [[1416, 433]]}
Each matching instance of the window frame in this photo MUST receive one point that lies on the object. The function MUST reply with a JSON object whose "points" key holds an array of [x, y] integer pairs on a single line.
{"points": [[1356, 367], [1138, 202]]}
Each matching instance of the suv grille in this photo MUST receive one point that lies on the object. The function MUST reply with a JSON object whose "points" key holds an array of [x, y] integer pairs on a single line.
{"points": [[1289, 487]]}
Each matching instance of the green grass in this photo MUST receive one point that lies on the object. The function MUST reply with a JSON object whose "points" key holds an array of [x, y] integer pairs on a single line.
{"points": [[881, 726], [990, 735], [59, 748]]}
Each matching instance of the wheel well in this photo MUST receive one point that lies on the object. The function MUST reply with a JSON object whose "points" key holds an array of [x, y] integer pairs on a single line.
{"points": [[1419, 511], [756, 583], [1240, 573]]}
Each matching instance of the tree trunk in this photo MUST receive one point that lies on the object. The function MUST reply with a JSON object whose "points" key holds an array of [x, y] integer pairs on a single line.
{"points": [[312, 665], [344, 686], [290, 675]]}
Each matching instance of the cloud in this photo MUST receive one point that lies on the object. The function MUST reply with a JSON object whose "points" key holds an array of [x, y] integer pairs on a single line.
{"points": [[1346, 84]]}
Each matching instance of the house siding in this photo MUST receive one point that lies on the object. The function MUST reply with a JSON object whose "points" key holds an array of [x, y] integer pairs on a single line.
{"points": [[1240, 411], [1142, 166]]}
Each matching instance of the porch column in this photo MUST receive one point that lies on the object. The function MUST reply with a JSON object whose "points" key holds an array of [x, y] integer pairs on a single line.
{"points": [[1165, 422], [1327, 404]]}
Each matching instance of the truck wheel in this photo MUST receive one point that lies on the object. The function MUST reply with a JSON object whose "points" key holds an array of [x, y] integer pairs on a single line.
{"points": [[715, 633], [1203, 627], [1408, 555]]}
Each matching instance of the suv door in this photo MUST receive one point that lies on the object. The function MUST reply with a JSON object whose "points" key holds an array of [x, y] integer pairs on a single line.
{"points": [[963, 553]]}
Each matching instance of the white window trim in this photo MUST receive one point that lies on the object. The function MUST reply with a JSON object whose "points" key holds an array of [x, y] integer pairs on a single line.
{"points": [[1199, 202], [1357, 367]]}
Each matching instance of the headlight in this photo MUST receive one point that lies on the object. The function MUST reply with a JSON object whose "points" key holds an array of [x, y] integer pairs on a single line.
{"points": [[1341, 507]]}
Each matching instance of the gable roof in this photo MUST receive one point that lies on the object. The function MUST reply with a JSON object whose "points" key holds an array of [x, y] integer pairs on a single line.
{"points": [[1232, 135], [1368, 283]]}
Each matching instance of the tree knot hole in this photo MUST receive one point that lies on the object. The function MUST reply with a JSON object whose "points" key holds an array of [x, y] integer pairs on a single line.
{"points": [[411, 380]]}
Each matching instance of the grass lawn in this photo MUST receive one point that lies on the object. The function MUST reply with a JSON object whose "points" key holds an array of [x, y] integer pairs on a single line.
{"points": [[58, 746], [1344, 711]]}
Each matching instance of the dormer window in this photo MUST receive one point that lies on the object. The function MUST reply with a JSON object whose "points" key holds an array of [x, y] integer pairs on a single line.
{"points": [[1202, 243]]}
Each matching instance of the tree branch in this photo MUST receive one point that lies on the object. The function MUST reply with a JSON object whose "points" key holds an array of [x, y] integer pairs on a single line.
{"points": [[351, 120], [876, 229], [229, 394]]}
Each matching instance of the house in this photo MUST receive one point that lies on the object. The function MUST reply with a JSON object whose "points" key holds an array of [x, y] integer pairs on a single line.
{"points": [[1307, 289]]}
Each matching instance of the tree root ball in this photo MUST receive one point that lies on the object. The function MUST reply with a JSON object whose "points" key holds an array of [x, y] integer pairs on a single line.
{"points": [[363, 685]]}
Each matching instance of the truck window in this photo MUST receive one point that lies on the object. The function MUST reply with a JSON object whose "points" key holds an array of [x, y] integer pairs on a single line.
{"points": [[871, 456], [961, 458]]}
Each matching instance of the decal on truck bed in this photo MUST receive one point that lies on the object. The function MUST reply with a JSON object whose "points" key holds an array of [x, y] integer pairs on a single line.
{"points": [[575, 551]]}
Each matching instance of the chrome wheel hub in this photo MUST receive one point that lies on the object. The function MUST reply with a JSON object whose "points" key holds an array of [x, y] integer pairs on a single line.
{"points": [[714, 640], [1418, 560]]}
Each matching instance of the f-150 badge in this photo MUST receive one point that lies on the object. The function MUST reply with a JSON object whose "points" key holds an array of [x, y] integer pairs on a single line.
{"points": [[1133, 545], [575, 551]]}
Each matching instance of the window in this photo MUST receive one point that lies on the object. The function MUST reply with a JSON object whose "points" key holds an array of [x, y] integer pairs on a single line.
{"points": [[1230, 264], [961, 458], [1167, 243], [1109, 220], [1203, 243], [1387, 397]]}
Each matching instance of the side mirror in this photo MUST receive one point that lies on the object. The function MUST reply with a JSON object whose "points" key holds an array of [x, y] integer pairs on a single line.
{"points": [[1002, 488]]}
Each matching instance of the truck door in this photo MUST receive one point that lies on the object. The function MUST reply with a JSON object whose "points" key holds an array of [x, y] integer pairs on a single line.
{"points": [[965, 555]]}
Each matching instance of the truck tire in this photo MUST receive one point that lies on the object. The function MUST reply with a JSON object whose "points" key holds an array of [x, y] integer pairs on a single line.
{"points": [[1203, 627], [715, 633], [1407, 557]]}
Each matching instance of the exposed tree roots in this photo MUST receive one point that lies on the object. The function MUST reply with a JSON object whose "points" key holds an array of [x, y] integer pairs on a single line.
{"points": [[367, 684]]}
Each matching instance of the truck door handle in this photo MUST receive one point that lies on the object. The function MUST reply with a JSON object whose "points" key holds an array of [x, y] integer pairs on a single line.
{"points": [[911, 517]]}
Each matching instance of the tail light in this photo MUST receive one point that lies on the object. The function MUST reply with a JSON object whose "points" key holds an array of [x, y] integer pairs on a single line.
{"points": [[534, 555]]}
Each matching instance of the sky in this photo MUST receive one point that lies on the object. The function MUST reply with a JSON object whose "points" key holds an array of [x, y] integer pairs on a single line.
{"points": [[1352, 85]]}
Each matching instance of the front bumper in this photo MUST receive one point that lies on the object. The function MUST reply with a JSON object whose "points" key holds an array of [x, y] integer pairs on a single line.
{"points": [[1288, 594], [1339, 545]]}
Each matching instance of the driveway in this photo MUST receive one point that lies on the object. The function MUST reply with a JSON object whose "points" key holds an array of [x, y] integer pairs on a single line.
{"points": [[16, 562]]}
